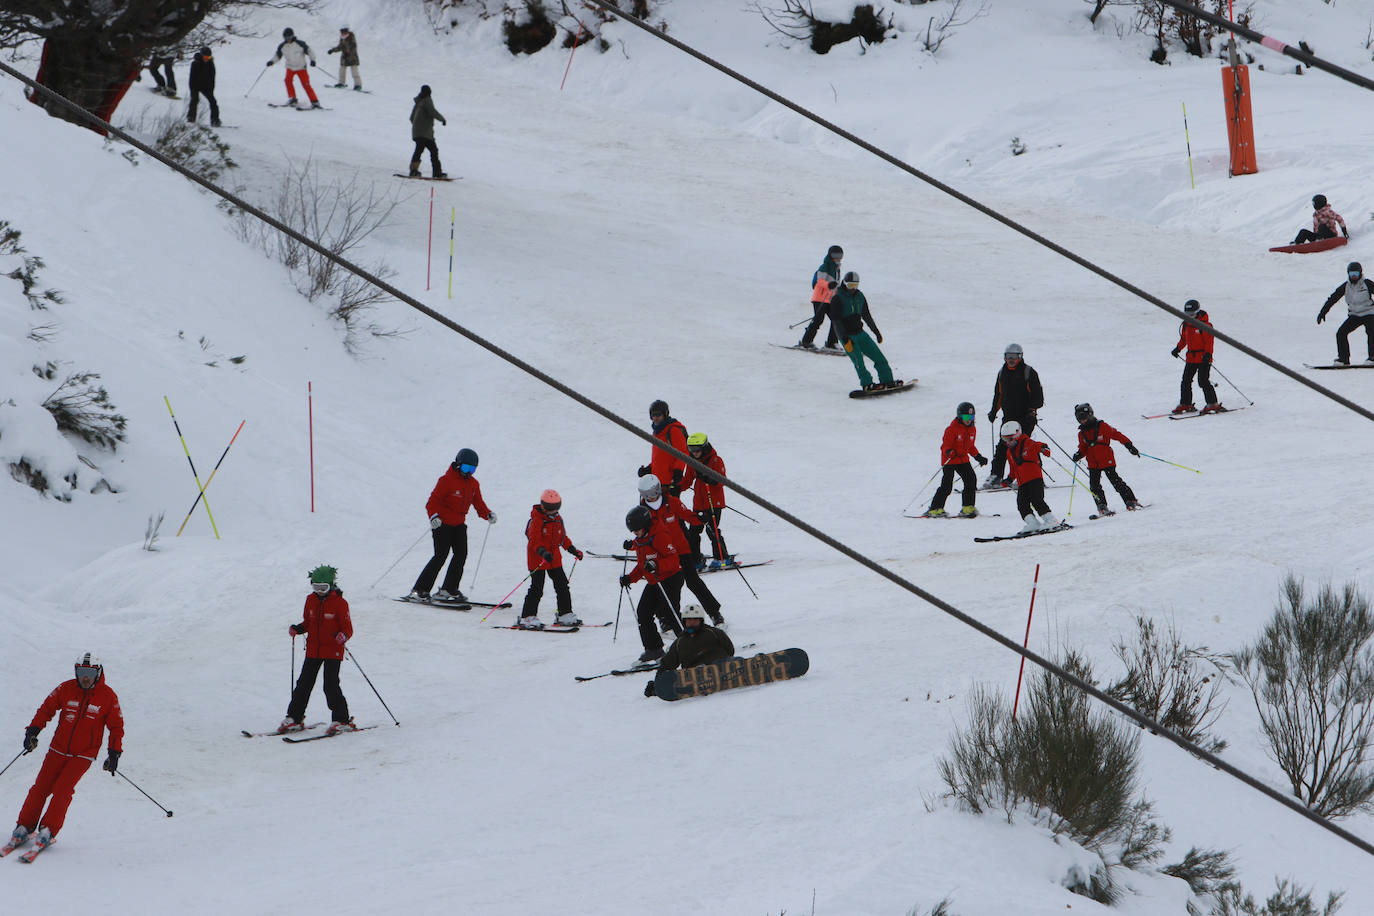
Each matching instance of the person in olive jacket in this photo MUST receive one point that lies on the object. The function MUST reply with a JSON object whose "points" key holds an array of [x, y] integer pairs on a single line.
{"points": [[422, 117], [347, 49], [326, 626], [698, 645], [203, 84]]}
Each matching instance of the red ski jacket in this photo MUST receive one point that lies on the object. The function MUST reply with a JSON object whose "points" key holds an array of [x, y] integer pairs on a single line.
{"points": [[452, 497], [960, 443], [659, 548], [669, 518], [705, 494], [1095, 444], [665, 467], [1195, 340], [1023, 456], [83, 716], [324, 619], [547, 532]]}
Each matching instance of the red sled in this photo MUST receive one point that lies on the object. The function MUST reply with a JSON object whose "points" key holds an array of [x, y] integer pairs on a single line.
{"points": [[1309, 247]]}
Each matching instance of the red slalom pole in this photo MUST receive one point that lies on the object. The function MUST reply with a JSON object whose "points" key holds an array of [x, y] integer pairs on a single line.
{"points": [[1025, 642], [310, 414], [576, 41], [429, 247]]}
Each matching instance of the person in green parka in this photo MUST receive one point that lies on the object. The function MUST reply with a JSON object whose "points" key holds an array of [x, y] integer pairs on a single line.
{"points": [[849, 311], [422, 117]]}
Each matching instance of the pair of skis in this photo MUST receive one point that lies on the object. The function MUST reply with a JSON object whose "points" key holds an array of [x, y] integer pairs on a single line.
{"points": [[28, 857], [289, 738]]}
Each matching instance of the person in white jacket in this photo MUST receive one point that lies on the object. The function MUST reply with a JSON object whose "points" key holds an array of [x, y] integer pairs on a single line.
{"points": [[296, 53]]}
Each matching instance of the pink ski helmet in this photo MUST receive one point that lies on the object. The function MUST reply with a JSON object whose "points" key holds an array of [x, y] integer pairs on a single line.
{"points": [[550, 501]]}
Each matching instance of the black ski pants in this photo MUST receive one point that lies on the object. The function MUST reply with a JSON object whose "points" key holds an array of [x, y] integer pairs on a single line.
{"points": [[209, 98], [536, 592], [821, 309], [965, 472], [305, 684], [1031, 496], [1203, 371], [711, 526], [1307, 235], [1343, 334], [422, 144], [999, 454], [659, 602], [1095, 484], [446, 538], [170, 82]]}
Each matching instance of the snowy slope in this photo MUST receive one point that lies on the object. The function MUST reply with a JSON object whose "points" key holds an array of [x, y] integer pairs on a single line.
{"points": [[645, 234]]}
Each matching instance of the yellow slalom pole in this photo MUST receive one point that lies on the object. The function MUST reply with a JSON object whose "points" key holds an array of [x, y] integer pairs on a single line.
{"points": [[1189, 144], [211, 479], [452, 219], [193, 467]]}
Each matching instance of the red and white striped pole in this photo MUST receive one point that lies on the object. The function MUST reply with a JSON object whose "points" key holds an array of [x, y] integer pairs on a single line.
{"points": [[1025, 642]]}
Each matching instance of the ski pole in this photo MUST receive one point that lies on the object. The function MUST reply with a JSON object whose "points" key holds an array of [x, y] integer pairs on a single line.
{"points": [[193, 465], [573, 569], [255, 83], [374, 688], [145, 794], [11, 763], [619, 602], [211, 478], [511, 592], [923, 489], [1025, 642], [1232, 384], [481, 553], [293, 664], [1174, 463], [799, 323], [400, 558], [737, 512], [746, 583], [672, 611]]}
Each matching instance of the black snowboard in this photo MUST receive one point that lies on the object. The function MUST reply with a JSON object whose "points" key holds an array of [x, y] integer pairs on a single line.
{"points": [[427, 177], [764, 668], [860, 393]]}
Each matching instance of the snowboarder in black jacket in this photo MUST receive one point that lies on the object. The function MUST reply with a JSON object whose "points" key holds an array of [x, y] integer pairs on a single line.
{"points": [[203, 83], [698, 645], [1018, 395], [1359, 301]]}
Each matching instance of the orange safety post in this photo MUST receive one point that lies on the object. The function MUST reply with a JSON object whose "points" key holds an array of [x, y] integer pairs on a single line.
{"points": [[1240, 129]]}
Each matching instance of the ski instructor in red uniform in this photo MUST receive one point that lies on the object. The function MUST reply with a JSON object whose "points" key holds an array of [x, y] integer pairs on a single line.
{"points": [[85, 707]]}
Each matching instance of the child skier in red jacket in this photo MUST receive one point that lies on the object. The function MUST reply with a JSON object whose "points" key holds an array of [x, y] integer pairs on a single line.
{"points": [[1095, 443], [1023, 459], [546, 537], [958, 447]]}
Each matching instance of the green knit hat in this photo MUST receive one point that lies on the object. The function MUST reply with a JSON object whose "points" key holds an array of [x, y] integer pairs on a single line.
{"points": [[323, 574]]}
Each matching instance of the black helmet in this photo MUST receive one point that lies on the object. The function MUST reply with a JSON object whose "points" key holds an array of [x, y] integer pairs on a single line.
{"points": [[1318, 201], [1191, 307], [465, 456], [851, 277], [1082, 412], [288, 34], [965, 407], [836, 253], [658, 408], [1354, 268], [638, 519]]}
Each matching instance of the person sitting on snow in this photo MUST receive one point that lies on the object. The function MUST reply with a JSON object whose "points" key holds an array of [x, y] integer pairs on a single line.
{"points": [[1324, 221]]}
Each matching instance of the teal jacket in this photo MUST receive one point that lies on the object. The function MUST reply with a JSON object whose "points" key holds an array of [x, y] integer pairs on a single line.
{"points": [[849, 311]]}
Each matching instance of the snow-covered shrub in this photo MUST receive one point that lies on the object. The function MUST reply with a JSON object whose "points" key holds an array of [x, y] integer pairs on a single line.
{"points": [[1178, 686], [1207, 871], [82, 407], [1312, 676], [1287, 900], [798, 19], [940, 909], [192, 146], [528, 29], [26, 269]]}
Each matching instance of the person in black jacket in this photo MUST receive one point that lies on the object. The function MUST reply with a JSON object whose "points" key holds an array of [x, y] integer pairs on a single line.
{"points": [[1359, 302], [1018, 395], [203, 83], [698, 645], [848, 315]]}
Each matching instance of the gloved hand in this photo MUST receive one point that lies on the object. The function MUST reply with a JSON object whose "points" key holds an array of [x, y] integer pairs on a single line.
{"points": [[1207, 359], [544, 555], [703, 516], [625, 581], [1032, 413], [645, 470], [31, 738], [434, 522], [271, 62], [628, 545], [340, 638], [880, 336], [1076, 457], [649, 689], [312, 63], [1174, 352], [831, 285], [1132, 449], [575, 552], [848, 345], [1345, 232], [1321, 317], [982, 462], [673, 489], [444, 121], [293, 631], [651, 566], [1045, 450], [491, 518], [112, 761], [992, 415], [331, 51]]}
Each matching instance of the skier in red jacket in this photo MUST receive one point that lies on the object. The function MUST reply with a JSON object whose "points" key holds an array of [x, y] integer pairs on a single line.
{"points": [[85, 707], [662, 465], [673, 519], [708, 501], [326, 626], [1198, 361], [958, 448], [546, 536], [658, 564], [1095, 443], [1023, 459], [456, 492]]}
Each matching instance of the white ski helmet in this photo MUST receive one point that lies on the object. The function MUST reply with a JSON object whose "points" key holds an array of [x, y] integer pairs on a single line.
{"points": [[693, 610], [1011, 429], [88, 667], [1013, 349], [650, 488]]}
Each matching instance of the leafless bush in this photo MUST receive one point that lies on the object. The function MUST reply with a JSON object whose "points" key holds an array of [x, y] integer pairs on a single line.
{"points": [[83, 408], [1312, 676], [797, 20], [1177, 685], [196, 148], [150, 532], [27, 271], [940, 29], [340, 216]]}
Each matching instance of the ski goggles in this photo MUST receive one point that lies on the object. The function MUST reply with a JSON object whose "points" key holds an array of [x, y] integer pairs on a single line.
{"points": [[851, 284], [966, 417], [467, 468], [319, 588], [87, 672]]}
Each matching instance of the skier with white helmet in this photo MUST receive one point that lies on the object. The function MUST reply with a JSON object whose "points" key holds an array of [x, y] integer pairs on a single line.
{"points": [[1023, 456]]}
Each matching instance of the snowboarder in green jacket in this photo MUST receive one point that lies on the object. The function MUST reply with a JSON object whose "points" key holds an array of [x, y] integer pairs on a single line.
{"points": [[849, 312]]}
